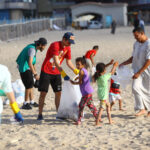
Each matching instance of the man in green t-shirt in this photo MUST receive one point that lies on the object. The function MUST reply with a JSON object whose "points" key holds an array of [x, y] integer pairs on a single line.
{"points": [[26, 64]]}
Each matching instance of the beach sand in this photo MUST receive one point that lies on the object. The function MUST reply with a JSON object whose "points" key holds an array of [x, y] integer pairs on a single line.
{"points": [[127, 133]]}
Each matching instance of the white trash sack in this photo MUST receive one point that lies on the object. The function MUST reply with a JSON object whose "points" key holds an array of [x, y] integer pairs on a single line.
{"points": [[19, 91], [124, 76], [55, 27], [69, 102]]}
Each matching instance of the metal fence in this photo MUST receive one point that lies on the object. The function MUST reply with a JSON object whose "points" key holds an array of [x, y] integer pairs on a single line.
{"points": [[27, 27]]}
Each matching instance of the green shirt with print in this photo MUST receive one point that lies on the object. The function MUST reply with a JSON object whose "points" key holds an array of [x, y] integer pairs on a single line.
{"points": [[102, 83]]}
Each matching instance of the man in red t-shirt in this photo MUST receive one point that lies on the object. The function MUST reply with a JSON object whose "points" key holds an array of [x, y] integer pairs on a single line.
{"points": [[90, 58], [51, 69]]}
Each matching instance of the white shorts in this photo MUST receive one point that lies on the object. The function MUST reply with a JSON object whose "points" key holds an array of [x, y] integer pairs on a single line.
{"points": [[113, 98], [91, 69], [89, 63]]}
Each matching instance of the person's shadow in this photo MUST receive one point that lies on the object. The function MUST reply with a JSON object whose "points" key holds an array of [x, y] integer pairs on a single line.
{"points": [[89, 115], [32, 119], [123, 116]]}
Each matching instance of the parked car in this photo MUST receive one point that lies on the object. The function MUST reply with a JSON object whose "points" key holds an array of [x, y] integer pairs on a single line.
{"points": [[95, 25]]}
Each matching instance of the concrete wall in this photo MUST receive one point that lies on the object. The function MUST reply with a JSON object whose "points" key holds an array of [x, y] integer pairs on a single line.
{"points": [[16, 14], [44, 7], [117, 11]]}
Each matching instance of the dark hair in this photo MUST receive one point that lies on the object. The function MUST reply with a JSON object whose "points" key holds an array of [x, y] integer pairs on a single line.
{"points": [[41, 41], [82, 60], [138, 29], [95, 47], [100, 67]]}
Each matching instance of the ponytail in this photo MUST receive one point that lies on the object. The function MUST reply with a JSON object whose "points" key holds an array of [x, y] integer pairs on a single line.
{"points": [[100, 67], [95, 76]]}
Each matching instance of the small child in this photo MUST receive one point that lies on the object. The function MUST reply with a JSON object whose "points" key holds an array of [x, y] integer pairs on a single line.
{"points": [[6, 90], [89, 56], [114, 94], [86, 89], [102, 81]]}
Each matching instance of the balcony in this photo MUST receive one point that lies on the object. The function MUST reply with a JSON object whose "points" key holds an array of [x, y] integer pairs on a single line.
{"points": [[20, 4], [62, 4]]}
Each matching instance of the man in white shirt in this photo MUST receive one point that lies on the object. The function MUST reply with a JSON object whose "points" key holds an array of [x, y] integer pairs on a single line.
{"points": [[140, 60]]}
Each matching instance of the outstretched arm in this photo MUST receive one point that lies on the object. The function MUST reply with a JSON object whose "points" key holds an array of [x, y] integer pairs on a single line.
{"points": [[129, 61], [71, 66], [115, 65], [110, 63]]}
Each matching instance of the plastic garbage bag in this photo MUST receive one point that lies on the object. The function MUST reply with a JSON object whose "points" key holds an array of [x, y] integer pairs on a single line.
{"points": [[123, 76], [19, 91], [69, 102], [36, 83], [55, 27]]}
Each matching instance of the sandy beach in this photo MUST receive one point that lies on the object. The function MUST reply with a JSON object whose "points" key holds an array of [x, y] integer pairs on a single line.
{"points": [[127, 133]]}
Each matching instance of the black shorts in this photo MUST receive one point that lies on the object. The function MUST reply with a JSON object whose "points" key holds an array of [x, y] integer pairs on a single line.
{"points": [[46, 79], [27, 79]]}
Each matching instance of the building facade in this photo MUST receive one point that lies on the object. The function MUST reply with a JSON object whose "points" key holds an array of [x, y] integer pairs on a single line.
{"points": [[136, 8], [108, 12], [141, 9], [62, 8], [17, 9], [49, 8]]}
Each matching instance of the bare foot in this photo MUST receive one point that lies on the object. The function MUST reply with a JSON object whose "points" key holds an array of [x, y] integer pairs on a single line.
{"points": [[112, 122], [141, 112], [77, 123], [98, 125], [121, 109], [100, 120]]}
